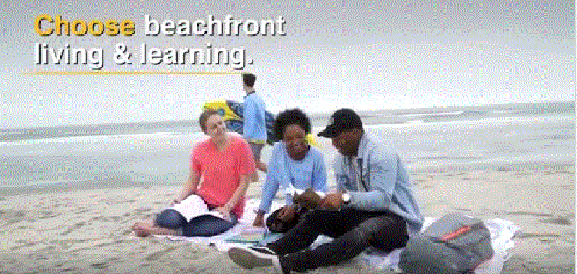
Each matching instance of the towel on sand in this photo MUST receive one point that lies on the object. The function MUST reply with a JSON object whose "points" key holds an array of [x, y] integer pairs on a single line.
{"points": [[502, 234]]}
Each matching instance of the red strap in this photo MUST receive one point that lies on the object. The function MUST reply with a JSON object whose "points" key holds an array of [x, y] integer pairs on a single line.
{"points": [[456, 233]]}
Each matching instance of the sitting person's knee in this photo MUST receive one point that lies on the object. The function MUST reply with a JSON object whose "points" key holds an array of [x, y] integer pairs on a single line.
{"points": [[385, 232], [169, 219], [366, 230]]}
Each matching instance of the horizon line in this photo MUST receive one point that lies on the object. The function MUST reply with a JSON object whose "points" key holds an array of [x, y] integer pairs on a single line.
{"points": [[104, 73]]}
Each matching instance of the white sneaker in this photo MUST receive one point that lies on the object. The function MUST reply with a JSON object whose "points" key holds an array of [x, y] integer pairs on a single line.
{"points": [[255, 256]]}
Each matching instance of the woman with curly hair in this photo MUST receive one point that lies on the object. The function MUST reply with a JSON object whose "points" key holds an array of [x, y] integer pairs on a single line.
{"points": [[293, 163]]}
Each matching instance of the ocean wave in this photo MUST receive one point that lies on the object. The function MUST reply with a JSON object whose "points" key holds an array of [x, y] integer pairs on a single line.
{"points": [[501, 112], [102, 138], [452, 113], [489, 121]]}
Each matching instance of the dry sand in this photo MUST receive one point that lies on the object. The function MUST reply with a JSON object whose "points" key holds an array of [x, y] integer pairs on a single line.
{"points": [[88, 231]]}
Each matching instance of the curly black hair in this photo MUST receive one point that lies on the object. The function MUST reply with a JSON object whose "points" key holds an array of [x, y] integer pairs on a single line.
{"points": [[290, 117]]}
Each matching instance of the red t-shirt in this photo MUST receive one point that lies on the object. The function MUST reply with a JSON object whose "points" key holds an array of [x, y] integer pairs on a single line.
{"points": [[220, 171]]}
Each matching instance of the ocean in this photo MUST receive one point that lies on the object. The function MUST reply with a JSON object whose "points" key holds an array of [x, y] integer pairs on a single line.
{"points": [[442, 139]]}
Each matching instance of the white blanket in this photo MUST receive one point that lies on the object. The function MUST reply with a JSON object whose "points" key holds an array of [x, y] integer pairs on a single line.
{"points": [[502, 233]]}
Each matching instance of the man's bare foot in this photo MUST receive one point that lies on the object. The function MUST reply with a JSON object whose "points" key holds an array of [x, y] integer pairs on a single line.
{"points": [[142, 229]]}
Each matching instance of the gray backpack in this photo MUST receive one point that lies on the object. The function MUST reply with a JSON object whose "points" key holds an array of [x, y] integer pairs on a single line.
{"points": [[454, 244]]}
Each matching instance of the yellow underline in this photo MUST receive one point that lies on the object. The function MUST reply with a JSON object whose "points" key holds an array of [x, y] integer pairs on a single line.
{"points": [[133, 73]]}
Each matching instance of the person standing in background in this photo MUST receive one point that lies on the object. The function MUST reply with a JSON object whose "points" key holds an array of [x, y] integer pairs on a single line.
{"points": [[254, 128]]}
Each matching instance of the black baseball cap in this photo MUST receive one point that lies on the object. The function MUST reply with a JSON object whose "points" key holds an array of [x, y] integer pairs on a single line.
{"points": [[343, 119]]}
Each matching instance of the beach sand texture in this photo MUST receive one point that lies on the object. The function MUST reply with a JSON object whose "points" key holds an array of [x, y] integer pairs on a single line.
{"points": [[88, 231]]}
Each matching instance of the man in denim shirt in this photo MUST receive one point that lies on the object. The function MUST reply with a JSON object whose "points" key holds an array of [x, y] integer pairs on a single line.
{"points": [[374, 206]]}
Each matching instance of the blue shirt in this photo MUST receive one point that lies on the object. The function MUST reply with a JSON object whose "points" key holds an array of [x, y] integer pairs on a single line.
{"points": [[282, 170], [377, 180], [254, 126]]}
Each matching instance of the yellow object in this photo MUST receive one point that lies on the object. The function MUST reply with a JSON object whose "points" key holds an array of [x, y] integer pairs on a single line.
{"points": [[223, 108], [312, 140]]}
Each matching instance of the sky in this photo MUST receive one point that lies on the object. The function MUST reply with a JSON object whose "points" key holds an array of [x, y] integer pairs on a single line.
{"points": [[364, 55]]}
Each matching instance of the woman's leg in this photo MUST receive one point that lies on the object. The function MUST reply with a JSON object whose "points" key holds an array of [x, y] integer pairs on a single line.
{"points": [[168, 222], [170, 219], [144, 229], [207, 226], [315, 223]]}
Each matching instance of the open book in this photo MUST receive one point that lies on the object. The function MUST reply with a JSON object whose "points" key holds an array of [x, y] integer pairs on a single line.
{"points": [[194, 206]]}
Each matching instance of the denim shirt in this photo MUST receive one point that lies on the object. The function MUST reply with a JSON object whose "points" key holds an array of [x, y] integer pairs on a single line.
{"points": [[384, 183]]}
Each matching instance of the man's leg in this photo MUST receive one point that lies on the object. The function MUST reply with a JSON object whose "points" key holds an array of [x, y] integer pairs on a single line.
{"points": [[386, 232], [313, 224]]}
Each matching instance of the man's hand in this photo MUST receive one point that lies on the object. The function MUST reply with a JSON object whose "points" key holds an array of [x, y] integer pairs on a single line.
{"points": [[332, 201], [308, 200], [287, 213], [259, 219]]}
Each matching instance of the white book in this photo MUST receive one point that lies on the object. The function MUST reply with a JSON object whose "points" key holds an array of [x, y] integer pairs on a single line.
{"points": [[194, 206]]}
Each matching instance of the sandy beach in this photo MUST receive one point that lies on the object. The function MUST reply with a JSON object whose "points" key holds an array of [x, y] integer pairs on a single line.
{"points": [[101, 104], [88, 231]]}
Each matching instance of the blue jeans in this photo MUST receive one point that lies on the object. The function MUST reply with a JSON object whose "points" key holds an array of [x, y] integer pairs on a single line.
{"points": [[205, 225]]}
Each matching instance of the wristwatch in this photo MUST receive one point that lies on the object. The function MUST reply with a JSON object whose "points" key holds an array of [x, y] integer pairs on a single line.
{"points": [[346, 198]]}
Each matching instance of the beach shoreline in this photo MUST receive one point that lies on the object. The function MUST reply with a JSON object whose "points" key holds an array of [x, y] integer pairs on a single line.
{"points": [[448, 170]]}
